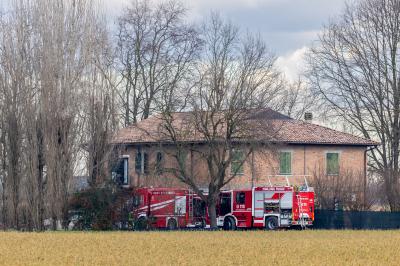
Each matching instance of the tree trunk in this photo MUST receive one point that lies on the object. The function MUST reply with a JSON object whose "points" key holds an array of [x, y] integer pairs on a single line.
{"points": [[3, 172], [127, 121], [393, 197], [212, 212], [15, 212], [40, 198], [40, 175], [54, 222], [4, 209]]}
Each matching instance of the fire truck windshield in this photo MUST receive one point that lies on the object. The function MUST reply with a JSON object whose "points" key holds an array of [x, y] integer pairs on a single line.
{"points": [[137, 200]]}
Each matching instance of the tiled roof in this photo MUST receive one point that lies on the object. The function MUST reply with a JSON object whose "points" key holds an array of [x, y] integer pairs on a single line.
{"points": [[286, 130], [300, 132], [148, 130]]}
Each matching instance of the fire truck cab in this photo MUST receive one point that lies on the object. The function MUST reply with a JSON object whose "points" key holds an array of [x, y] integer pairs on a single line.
{"points": [[268, 207]]}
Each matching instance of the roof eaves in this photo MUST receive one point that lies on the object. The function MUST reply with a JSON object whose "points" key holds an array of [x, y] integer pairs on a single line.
{"points": [[333, 143], [372, 143]]}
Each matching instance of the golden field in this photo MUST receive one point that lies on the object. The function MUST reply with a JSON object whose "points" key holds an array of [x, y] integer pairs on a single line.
{"points": [[201, 248]]}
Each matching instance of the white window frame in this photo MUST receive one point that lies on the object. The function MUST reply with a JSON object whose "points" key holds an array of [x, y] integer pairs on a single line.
{"points": [[125, 157], [143, 154]]}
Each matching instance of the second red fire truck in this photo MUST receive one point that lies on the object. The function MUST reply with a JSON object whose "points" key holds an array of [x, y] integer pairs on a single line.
{"points": [[268, 207], [169, 208]]}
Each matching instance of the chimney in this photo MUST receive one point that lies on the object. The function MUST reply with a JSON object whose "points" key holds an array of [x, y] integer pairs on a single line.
{"points": [[308, 117]]}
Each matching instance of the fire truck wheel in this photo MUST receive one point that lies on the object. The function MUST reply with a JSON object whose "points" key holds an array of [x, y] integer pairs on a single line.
{"points": [[271, 223], [229, 224], [172, 224], [141, 224]]}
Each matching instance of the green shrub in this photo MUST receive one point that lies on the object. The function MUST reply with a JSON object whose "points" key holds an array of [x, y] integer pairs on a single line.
{"points": [[100, 208]]}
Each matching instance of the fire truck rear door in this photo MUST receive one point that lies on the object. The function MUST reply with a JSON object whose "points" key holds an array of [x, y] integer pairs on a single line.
{"points": [[258, 204]]}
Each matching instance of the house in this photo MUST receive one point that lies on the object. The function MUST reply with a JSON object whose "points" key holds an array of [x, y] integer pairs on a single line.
{"points": [[301, 149]]}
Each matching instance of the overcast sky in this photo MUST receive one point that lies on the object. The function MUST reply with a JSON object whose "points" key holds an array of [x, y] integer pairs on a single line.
{"points": [[288, 26]]}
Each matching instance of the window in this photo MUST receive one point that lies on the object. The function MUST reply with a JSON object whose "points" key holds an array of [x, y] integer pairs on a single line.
{"points": [[199, 208], [237, 162], [125, 179], [332, 163], [141, 162], [146, 163], [159, 162], [137, 200], [120, 172], [285, 163], [225, 204], [138, 162], [240, 198]]}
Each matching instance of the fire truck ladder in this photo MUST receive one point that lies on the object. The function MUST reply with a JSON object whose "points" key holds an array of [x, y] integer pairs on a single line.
{"points": [[190, 204], [301, 216]]}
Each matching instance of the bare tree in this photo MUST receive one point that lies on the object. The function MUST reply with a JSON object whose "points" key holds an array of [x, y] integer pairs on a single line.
{"points": [[235, 77], [100, 114], [155, 51], [355, 69], [296, 99], [12, 86], [3, 171], [46, 58], [64, 44], [343, 191]]}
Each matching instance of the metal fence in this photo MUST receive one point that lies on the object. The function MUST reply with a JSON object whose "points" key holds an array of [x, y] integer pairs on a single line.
{"points": [[327, 219]]}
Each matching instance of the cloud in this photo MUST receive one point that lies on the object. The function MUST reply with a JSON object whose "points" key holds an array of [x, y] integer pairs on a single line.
{"points": [[292, 64], [285, 25], [226, 4]]}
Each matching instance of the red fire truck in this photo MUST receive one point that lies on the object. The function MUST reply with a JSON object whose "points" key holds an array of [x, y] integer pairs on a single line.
{"points": [[270, 207], [169, 208]]}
